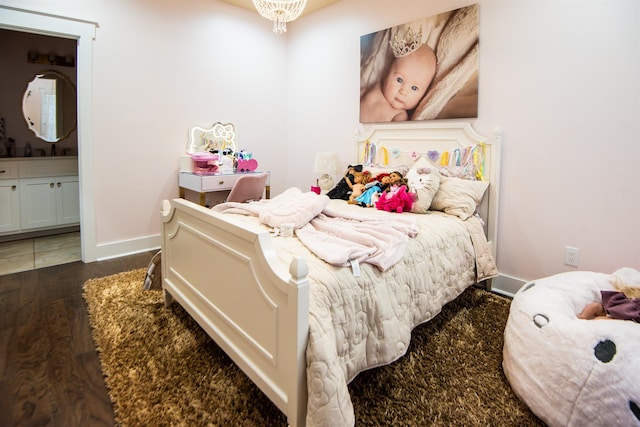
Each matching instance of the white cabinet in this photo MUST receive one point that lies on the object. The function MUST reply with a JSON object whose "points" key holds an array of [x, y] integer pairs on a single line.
{"points": [[42, 193], [68, 200], [49, 202], [9, 198], [9, 206], [37, 203]]}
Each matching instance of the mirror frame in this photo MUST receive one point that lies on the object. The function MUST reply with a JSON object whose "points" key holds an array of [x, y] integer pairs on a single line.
{"points": [[219, 137], [66, 132]]}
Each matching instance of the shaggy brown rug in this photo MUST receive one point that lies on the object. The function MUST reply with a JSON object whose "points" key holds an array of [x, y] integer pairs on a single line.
{"points": [[162, 369]]}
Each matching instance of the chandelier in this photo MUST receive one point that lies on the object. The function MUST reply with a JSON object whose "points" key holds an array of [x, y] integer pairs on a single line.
{"points": [[280, 12]]}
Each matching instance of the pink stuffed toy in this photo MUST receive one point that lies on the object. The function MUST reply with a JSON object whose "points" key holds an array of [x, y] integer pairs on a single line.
{"points": [[395, 199]]}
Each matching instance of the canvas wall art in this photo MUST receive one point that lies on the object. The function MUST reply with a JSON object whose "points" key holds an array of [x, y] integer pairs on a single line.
{"points": [[422, 70]]}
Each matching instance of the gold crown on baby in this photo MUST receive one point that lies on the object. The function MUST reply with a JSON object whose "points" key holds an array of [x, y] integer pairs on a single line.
{"points": [[411, 41]]}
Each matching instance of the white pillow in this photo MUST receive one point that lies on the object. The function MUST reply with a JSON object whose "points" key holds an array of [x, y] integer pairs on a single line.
{"points": [[377, 170], [459, 197], [462, 172]]}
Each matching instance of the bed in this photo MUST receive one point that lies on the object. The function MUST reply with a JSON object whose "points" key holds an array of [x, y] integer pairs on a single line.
{"points": [[302, 328]]}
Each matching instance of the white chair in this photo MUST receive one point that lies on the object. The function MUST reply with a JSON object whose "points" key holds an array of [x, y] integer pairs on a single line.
{"points": [[248, 187]]}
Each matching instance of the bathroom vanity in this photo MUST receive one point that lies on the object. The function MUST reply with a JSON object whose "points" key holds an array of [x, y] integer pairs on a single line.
{"points": [[38, 193]]}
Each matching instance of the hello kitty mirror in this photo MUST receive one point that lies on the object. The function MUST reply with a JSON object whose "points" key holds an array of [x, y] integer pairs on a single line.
{"points": [[221, 137]]}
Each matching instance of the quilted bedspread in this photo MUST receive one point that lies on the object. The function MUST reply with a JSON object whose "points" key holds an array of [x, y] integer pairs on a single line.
{"points": [[356, 323]]}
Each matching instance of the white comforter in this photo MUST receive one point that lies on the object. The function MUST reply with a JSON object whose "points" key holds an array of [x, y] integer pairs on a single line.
{"points": [[359, 323]]}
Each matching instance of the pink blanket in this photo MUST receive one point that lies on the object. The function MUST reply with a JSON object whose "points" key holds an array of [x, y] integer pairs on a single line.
{"points": [[372, 236]]}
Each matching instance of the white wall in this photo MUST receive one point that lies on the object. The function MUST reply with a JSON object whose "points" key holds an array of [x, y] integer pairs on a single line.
{"points": [[160, 67], [557, 76], [182, 64]]}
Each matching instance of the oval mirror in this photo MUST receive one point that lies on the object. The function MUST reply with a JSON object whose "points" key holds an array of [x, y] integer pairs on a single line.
{"points": [[49, 106]]}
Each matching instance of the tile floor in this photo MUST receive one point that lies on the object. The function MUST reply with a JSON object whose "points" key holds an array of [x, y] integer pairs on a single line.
{"points": [[38, 252]]}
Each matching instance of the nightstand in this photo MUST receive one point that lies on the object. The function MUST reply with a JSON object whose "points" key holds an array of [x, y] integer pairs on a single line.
{"points": [[203, 184]]}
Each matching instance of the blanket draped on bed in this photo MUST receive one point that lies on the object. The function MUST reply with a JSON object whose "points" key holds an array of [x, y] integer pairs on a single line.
{"points": [[357, 323], [335, 237]]}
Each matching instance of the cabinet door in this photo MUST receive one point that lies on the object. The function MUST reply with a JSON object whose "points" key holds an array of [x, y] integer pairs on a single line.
{"points": [[9, 206], [68, 200], [37, 203]]}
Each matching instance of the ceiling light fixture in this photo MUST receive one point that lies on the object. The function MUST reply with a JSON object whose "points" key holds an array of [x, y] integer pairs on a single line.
{"points": [[280, 12]]}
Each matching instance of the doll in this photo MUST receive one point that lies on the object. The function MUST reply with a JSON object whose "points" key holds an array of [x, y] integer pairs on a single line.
{"points": [[342, 190], [622, 303], [372, 190], [360, 180], [396, 197]]}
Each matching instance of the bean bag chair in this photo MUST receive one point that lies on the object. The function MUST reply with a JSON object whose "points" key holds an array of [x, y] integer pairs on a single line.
{"points": [[572, 371]]}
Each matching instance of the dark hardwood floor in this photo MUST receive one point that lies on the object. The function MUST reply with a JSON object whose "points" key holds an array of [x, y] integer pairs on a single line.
{"points": [[50, 374]]}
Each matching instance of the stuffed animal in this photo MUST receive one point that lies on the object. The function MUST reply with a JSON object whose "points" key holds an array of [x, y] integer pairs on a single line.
{"points": [[423, 180]]}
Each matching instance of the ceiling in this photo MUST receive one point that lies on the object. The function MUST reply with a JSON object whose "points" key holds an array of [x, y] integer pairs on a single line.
{"points": [[312, 5]]}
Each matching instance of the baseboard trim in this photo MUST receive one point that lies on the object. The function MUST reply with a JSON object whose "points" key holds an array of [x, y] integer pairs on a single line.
{"points": [[127, 247], [39, 233]]}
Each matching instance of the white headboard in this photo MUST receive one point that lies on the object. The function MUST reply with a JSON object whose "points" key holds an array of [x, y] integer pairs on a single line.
{"points": [[422, 137]]}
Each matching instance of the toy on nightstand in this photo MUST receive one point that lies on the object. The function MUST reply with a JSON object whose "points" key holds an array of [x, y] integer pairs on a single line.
{"points": [[205, 163], [244, 162]]}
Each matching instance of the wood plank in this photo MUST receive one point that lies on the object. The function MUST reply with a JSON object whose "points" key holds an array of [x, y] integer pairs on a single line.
{"points": [[61, 366], [98, 408], [50, 373]]}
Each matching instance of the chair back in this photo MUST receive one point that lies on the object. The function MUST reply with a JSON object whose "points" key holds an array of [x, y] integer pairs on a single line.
{"points": [[248, 187]]}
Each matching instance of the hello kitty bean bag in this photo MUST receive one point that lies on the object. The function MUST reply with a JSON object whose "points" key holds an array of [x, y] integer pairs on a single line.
{"points": [[570, 371]]}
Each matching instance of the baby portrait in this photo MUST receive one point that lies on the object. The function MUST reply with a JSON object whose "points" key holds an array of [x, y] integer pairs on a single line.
{"points": [[422, 70]]}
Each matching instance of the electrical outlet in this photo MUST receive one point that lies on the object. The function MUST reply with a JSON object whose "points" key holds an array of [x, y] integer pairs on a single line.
{"points": [[571, 256]]}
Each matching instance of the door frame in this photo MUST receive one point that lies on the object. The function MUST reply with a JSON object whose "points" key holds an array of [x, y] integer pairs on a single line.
{"points": [[85, 33]]}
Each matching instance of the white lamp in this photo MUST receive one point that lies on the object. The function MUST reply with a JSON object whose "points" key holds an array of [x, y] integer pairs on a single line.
{"points": [[280, 12], [327, 164]]}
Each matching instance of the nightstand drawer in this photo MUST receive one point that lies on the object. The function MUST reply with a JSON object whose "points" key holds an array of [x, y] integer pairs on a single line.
{"points": [[211, 183], [218, 182], [206, 183]]}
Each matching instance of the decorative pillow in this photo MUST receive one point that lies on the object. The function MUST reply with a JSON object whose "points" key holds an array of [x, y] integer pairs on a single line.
{"points": [[377, 169], [462, 172], [459, 197], [423, 179]]}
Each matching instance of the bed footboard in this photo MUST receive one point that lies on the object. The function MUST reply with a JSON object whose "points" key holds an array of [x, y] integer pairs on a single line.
{"points": [[231, 282]]}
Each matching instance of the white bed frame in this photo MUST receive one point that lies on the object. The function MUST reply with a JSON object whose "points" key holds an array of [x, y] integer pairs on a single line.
{"points": [[446, 136], [229, 279]]}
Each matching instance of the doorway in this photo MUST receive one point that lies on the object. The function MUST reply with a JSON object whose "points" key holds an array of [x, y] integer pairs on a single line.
{"points": [[84, 33]]}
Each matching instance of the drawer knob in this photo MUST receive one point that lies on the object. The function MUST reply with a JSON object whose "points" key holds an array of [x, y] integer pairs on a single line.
{"points": [[2, 171], [220, 182]]}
